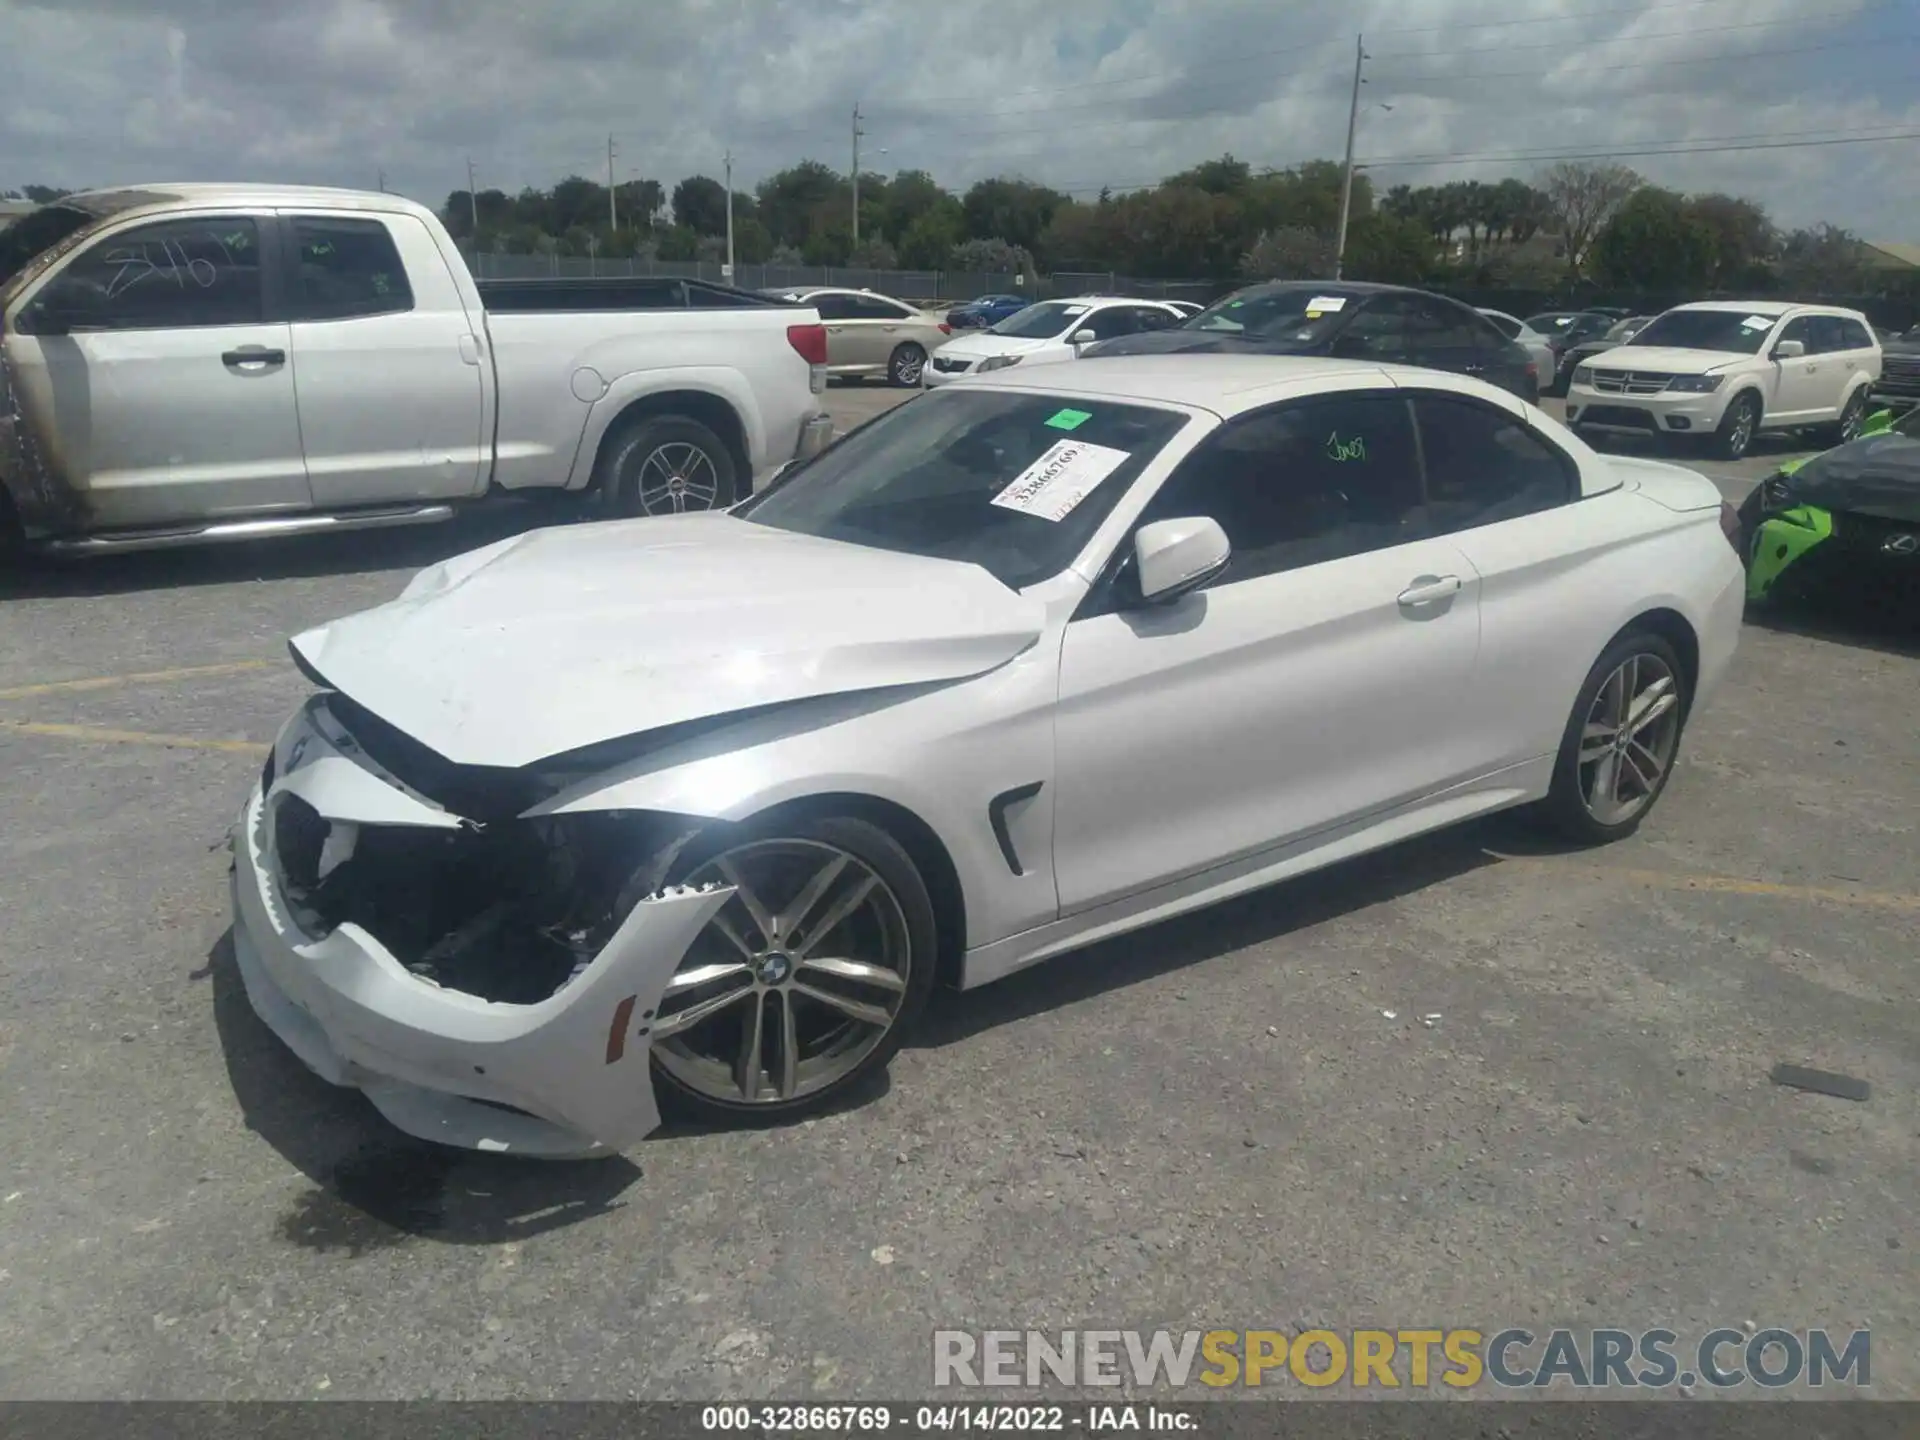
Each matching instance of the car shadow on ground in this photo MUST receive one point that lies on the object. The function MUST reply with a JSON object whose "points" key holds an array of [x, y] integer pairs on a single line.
{"points": [[372, 1187], [1236, 924], [1681, 450], [299, 557], [1887, 623]]}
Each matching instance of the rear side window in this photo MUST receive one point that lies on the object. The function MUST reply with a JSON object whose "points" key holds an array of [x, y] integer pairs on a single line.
{"points": [[1508, 328], [1484, 466], [872, 307], [1855, 336], [347, 269], [835, 307], [170, 275]]}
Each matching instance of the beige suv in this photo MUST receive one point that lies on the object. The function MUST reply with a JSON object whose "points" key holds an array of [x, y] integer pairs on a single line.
{"points": [[874, 335]]}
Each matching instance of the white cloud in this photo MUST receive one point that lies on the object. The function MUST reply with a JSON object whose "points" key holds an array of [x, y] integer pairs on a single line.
{"points": [[1078, 93]]}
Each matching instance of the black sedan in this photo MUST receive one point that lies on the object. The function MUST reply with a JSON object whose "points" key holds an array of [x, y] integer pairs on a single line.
{"points": [[1563, 330], [1572, 356], [1349, 320]]}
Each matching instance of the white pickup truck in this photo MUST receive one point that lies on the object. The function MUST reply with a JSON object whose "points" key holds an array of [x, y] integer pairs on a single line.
{"points": [[186, 363]]}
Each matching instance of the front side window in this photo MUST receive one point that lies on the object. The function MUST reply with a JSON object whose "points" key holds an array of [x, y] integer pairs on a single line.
{"points": [[348, 268], [1302, 484], [169, 275], [1378, 332], [1443, 334], [1013, 482], [1484, 466]]}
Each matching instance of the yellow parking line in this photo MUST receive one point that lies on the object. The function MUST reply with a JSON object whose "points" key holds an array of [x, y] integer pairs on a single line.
{"points": [[144, 677], [97, 735], [1735, 885]]}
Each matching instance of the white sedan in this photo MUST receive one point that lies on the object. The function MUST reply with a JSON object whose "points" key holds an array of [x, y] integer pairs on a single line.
{"points": [[1050, 331], [707, 804]]}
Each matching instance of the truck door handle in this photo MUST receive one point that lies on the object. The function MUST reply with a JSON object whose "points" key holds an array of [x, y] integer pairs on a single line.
{"points": [[1429, 588], [253, 355]]}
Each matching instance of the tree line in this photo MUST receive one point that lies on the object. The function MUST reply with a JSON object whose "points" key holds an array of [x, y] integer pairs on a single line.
{"points": [[1221, 219]]}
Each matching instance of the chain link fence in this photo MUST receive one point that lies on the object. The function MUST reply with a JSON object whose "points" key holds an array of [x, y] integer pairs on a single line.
{"points": [[917, 286]]}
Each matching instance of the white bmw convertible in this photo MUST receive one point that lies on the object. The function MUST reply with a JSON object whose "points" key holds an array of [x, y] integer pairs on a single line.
{"points": [[704, 807]]}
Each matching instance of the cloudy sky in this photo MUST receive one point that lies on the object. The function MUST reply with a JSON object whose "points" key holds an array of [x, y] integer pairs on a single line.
{"points": [[1076, 93]]}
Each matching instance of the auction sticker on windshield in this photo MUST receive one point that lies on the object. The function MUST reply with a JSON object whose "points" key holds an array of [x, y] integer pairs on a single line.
{"points": [[1326, 305], [1757, 322], [1060, 479]]}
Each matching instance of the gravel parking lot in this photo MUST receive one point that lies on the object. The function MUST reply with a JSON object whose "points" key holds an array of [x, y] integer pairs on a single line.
{"points": [[1238, 1119]]}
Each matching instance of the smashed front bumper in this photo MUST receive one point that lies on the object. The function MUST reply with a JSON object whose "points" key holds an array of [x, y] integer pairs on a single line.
{"points": [[563, 1075]]}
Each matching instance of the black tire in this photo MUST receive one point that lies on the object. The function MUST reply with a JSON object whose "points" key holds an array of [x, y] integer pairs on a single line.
{"points": [[1565, 810], [887, 859], [905, 366], [1734, 438], [1848, 426], [628, 486]]}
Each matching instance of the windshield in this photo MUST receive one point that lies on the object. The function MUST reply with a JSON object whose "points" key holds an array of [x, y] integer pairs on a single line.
{"points": [[1015, 483], [1040, 322], [1727, 330], [1298, 315], [1627, 329]]}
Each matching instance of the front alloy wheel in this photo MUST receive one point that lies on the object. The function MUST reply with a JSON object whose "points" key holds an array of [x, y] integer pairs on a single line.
{"points": [[804, 981], [1738, 426]]}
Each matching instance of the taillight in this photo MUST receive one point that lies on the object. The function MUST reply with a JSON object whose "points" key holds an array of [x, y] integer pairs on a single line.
{"points": [[1730, 525], [945, 329], [809, 342]]}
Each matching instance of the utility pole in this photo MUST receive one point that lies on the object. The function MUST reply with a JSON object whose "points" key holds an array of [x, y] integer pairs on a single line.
{"points": [[1346, 179], [729, 166], [473, 200], [857, 133], [613, 206], [383, 182]]}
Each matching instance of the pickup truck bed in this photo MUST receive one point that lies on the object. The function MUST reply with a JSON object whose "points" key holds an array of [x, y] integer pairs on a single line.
{"points": [[186, 363]]}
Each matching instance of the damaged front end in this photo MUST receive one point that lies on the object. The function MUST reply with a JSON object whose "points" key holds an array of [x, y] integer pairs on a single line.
{"points": [[486, 979]]}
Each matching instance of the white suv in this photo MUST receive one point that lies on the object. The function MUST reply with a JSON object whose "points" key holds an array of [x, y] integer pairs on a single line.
{"points": [[1725, 370]]}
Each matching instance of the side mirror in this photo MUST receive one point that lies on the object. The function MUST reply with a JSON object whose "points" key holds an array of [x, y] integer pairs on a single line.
{"points": [[1083, 337], [1789, 350], [1173, 557]]}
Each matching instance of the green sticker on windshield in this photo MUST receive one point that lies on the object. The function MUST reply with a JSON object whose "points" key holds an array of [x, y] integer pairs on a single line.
{"points": [[1343, 450], [1069, 419]]}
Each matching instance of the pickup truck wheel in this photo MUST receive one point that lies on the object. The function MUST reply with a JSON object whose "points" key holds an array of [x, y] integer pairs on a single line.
{"points": [[905, 368], [665, 465], [1737, 426]]}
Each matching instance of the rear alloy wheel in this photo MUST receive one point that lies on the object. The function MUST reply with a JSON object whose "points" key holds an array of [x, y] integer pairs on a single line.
{"points": [[908, 364], [1738, 426], [802, 986], [1620, 742], [666, 465]]}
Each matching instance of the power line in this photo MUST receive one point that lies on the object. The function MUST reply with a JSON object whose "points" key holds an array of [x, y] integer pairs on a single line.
{"points": [[1256, 56], [944, 144]]}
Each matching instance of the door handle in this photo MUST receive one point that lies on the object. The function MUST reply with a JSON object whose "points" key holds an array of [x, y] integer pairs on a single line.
{"points": [[254, 355], [1429, 588]]}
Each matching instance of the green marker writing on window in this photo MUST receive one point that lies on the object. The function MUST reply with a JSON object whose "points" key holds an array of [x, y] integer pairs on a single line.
{"points": [[1338, 449]]}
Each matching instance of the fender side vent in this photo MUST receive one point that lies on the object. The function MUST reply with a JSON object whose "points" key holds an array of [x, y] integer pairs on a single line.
{"points": [[997, 817]]}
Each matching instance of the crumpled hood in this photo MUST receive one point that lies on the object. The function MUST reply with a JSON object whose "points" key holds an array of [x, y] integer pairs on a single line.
{"points": [[1877, 476], [568, 637], [1666, 359]]}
